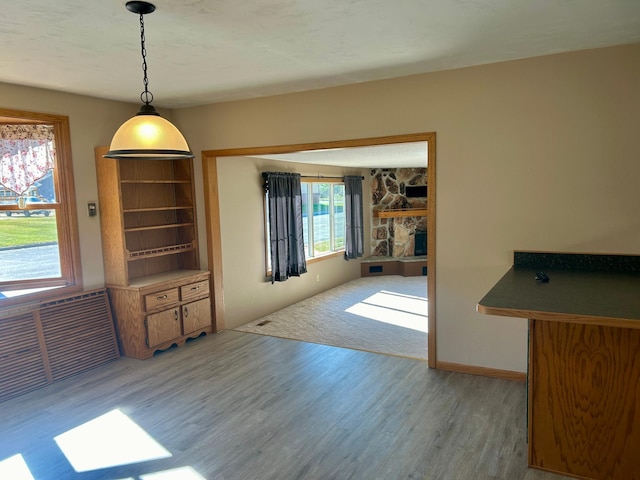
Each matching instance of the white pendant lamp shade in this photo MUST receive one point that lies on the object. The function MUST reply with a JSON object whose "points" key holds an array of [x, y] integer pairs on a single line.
{"points": [[148, 135]]}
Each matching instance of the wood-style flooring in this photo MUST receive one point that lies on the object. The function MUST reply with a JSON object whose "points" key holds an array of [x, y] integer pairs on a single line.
{"points": [[239, 406]]}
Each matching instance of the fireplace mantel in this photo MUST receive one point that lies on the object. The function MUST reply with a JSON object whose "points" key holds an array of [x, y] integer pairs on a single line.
{"points": [[404, 212]]}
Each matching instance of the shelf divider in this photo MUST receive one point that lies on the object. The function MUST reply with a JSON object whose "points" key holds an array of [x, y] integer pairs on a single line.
{"points": [[158, 227], [159, 252]]}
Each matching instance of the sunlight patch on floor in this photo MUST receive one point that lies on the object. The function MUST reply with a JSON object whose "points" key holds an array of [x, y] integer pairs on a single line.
{"points": [[408, 311], [185, 473], [107, 441], [15, 468], [111, 440]]}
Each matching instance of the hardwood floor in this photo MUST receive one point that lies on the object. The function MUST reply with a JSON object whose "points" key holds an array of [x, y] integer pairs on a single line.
{"points": [[238, 406]]}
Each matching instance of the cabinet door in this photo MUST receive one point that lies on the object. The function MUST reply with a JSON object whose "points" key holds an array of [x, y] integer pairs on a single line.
{"points": [[163, 327], [196, 315]]}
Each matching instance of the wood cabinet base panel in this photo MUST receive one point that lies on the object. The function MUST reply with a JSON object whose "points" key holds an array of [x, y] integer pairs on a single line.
{"points": [[179, 342], [585, 400]]}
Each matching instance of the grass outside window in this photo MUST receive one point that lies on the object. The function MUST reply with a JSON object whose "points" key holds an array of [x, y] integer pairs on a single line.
{"points": [[19, 231]]}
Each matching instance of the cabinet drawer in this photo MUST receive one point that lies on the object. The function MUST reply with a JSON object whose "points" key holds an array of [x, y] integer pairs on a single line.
{"points": [[194, 290], [160, 299], [163, 327], [196, 315]]}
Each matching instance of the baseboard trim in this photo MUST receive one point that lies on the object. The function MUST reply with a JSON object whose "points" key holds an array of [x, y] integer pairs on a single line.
{"points": [[484, 371]]}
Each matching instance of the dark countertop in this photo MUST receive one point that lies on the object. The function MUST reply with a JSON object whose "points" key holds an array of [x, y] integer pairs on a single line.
{"points": [[577, 261], [607, 297]]}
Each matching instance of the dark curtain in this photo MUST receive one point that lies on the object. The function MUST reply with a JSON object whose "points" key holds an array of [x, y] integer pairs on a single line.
{"points": [[285, 225], [353, 217]]}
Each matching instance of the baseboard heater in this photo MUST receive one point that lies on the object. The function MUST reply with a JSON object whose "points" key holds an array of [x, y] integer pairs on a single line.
{"points": [[51, 340]]}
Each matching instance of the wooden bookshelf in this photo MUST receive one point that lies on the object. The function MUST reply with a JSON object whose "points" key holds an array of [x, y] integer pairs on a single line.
{"points": [[150, 238]]}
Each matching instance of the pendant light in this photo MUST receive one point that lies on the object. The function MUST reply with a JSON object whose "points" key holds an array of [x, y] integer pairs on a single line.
{"points": [[147, 135]]}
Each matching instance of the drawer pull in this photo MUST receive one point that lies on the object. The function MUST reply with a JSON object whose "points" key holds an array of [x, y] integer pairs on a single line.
{"points": [[161, 297], [193, 289]]}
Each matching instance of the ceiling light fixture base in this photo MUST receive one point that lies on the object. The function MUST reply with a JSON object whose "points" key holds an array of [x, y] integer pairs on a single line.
{"points": [[141, 8]]}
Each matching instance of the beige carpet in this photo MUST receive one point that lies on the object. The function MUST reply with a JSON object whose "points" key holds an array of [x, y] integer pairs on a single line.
{"points": [[385, 314]]}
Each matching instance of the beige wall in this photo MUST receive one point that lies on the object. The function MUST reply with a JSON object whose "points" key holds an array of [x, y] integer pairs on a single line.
{"points": [[247, 293], [532, 154]]}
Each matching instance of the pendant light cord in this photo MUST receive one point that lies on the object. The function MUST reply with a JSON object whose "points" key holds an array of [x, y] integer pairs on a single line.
{"points": [[146, 96]]}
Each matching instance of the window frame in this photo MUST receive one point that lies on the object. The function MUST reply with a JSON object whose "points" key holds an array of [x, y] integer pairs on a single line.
{"points": [[310, 228], [70, 279], [308, 259]]}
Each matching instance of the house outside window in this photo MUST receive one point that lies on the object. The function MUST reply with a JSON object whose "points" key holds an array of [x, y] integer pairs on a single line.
{"points": [[39, 248]]}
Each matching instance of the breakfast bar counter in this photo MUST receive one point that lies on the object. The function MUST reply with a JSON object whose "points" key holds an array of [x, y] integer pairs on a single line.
{"points": [[584, 359]]}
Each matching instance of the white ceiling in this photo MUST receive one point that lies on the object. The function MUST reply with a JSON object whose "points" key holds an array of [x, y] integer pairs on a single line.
{"points": [[207, 51], [398, 155]]}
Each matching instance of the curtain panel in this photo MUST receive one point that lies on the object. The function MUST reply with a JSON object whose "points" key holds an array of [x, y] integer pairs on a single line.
{"points": [[354, 241], [27, 153], [285, 225]]}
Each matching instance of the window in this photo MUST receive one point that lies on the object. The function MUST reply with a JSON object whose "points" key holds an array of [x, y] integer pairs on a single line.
{"points": [[39, 240], [324, 230], [323, 217]]}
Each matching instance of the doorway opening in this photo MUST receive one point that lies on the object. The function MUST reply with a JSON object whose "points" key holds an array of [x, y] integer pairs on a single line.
{"points": [[212, 208]]}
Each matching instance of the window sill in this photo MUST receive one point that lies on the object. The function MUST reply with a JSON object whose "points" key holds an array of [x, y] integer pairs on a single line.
{"points": [[339, 253]]}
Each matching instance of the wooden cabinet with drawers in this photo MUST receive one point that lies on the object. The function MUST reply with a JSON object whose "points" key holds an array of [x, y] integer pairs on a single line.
{"points": [[158, 293], [160, 311]]}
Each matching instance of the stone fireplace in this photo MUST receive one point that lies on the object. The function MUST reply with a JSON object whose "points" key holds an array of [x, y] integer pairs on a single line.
{"points": [[396, 193]]}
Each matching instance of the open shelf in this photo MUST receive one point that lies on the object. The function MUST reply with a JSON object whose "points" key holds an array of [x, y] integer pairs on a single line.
{"points": [[159, 227], [142, 182], [158, 209], [147, 216]]}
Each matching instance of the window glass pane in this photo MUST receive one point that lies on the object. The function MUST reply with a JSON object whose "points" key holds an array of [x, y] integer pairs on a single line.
{"points": [[29, 247], [321, 219], [338, 217]]}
